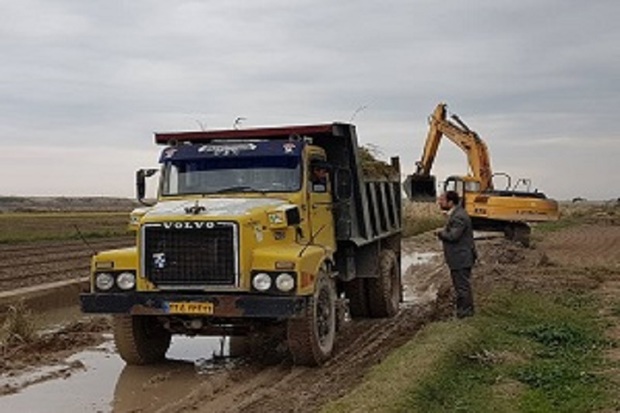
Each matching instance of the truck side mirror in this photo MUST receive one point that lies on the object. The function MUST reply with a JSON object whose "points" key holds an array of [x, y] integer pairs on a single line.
{"points": [[141, 175], [293, 216], [343, 183]]}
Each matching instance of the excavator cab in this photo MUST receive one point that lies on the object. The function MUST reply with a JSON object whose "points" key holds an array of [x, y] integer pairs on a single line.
{"points": [[456, 184], [420, 188]]}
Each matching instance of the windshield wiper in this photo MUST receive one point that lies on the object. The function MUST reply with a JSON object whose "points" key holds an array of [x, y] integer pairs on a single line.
{"points": [[235, 189]]}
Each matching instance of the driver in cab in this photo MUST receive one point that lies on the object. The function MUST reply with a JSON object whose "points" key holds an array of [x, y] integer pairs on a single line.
{"points": [[319, 177]]}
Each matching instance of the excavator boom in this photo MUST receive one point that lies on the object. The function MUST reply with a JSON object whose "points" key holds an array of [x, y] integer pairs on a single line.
{"points": [[466, 139]]}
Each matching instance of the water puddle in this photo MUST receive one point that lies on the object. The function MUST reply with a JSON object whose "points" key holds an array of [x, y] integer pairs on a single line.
{"points": [[97, 380], [420, 270], [417, 259]]}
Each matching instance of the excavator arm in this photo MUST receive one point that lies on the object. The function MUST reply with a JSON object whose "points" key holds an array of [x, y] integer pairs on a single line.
{"points": [[419, 184]]}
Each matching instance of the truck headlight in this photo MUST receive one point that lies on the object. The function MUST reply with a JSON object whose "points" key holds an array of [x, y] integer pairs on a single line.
{"points": [[126, 281], [261, 281], [285, 282], [104, 281]]}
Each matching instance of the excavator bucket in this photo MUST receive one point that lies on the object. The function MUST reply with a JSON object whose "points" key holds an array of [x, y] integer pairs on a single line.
{"points": [[421, 188]]}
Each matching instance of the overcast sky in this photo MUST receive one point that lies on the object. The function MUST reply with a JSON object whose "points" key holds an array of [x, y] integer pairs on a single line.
{"points": [[84, 84]]}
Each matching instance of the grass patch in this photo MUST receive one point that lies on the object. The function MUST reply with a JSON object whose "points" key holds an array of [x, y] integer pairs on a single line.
{"points": [[420, 217], [553, 226], [525, 352], [28, 227], [406, 366], [555, 346]]}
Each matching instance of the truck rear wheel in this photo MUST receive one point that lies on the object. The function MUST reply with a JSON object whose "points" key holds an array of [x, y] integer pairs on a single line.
{"points": [[356, 292], [311, 337], [385, 290], [140, 339]]}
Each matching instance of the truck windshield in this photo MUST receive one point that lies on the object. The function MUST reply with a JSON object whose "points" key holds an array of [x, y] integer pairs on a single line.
{"points": [[229, 175]]}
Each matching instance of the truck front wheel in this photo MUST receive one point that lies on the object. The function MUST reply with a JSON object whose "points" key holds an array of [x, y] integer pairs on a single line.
{"points": [[140, 339], [311, 337]]}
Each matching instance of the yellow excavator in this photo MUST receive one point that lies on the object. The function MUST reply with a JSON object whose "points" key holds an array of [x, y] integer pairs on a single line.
{"points": [[509, 210]]}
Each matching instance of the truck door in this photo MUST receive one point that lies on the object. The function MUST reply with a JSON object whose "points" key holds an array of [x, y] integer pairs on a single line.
{"points": [[320, 203]]}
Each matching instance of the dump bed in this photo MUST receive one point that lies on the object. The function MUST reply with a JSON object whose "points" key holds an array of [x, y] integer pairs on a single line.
{"points": [[374, 209]]}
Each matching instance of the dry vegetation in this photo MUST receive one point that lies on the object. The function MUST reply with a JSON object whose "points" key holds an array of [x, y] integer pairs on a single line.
{"points": [[591, 211], [18, 327], [419, 217], [574, 213], [64, 204], [372, 166]]}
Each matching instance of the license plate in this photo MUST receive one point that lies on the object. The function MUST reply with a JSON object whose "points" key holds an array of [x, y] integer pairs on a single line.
{"points": [[183, 307]]}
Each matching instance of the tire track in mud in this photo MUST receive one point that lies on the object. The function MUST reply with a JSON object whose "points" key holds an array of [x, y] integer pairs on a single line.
{"points": [[360, 345], [287, 388]]}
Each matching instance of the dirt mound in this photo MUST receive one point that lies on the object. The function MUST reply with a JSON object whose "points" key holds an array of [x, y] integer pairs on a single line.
{"points": [[503, 252], [52, 346]]}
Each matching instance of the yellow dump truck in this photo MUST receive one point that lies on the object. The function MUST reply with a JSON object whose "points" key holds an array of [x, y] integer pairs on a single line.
{"points": [[254, 230]]}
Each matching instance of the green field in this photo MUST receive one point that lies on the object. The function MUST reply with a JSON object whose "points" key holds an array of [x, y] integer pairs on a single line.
{"points": [[28, 227]]}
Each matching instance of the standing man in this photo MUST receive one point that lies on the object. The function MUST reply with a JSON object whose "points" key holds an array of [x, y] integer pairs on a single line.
{"points": [[459, 251]]}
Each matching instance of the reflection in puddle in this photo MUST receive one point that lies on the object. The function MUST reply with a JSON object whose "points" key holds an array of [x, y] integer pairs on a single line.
{"points": [[92, 379], [416, 259]]}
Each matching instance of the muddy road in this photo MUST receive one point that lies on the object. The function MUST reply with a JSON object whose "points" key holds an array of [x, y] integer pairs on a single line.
{"points": [[75, 368]]}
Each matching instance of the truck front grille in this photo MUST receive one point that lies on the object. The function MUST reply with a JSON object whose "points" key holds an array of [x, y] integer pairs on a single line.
{"points": [[190, 254]]}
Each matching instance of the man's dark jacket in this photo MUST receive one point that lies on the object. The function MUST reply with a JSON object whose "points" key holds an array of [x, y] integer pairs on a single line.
{"points": [[458, 240]]}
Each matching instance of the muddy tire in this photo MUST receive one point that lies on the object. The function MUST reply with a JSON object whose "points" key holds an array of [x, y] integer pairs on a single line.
{"points": [[357, 294], [384, 292], [518, 233], [140, 339], [268, 345], [311, 337], [522, 234]]}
